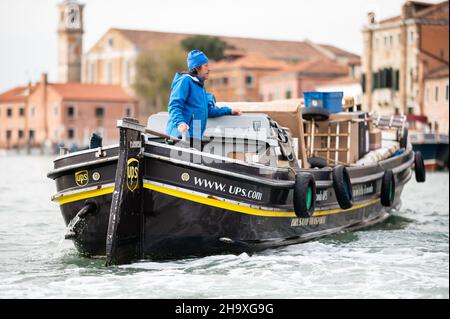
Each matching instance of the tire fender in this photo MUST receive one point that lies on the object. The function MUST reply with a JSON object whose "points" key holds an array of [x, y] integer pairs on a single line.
{"points": [[342, 186], [387, 188], [419, 167], [304, 195]]}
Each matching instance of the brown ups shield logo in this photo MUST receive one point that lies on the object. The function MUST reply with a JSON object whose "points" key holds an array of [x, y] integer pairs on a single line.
{"points": [[132, 174], [82, 178]]}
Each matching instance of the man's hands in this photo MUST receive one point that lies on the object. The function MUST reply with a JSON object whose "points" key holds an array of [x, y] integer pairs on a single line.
{"points": [[236, 112], [183, 127]]}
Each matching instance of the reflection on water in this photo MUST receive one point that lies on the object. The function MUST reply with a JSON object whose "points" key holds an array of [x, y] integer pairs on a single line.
{"points": [[405, 257]]}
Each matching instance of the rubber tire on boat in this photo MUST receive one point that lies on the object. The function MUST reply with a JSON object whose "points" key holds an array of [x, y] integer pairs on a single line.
{"points": [[419, 167], [342, 186], [404, 139], [317, 162], [304, 195], [388, 188], [316, 113]]}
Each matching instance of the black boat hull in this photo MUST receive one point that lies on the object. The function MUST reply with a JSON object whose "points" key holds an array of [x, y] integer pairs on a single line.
{"points": [[194, 210]]}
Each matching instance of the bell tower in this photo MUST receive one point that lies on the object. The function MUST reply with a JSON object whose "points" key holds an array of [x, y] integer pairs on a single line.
{"points": [[70, 41]]}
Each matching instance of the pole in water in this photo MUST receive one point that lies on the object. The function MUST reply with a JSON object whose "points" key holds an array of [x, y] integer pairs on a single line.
{"points": [[124, 237]]}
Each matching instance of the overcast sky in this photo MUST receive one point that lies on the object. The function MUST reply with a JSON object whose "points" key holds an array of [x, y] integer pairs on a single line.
{"points": [[28, 39]]}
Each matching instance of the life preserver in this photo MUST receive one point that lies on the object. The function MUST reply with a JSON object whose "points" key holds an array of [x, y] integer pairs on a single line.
{"points": [[419, 167], [304, 195], [316, 113], [388, 188], [342, 186]]}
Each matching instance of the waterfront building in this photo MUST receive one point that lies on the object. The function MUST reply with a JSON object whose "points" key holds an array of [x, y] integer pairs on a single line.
{"points": [[399, 53]]}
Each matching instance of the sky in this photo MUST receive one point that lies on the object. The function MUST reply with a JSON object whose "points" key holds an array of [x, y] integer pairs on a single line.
{"points": [[28, 38]]}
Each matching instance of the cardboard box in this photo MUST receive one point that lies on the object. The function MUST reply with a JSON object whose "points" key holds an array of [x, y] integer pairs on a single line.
{"points": [[375, 139]]}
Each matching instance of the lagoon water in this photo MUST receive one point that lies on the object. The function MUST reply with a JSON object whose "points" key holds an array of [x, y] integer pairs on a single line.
{"points": [[405, 257]]}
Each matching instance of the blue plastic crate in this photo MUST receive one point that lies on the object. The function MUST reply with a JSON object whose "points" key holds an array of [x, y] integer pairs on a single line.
{"points": [[331, 101]]}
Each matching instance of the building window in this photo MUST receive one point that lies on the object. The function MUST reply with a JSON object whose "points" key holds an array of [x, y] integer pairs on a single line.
{"points": [[71, 111], [31, 135], [225, 81], [71, 133], [446, 92], [127, 72], [288, 94], [410, 110], [386, 41], [9, 112], [110, 42], [391, 40], [21, 111], [8, 134], [436, 94], [109, 72], [20, 134], [99, 112], [91, 72], [411, 36], [249, 80]]}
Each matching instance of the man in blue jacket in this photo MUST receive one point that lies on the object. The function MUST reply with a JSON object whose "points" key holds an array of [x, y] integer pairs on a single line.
{"points": [[190, 105]]}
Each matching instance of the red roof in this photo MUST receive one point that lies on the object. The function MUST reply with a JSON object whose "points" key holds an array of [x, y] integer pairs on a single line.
{"points": [[91, 92], [319, 66], [274, 49], [249, 61], [17, 94]]}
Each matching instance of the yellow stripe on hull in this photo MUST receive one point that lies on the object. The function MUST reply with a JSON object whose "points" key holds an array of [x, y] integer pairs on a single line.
{"points": [[84, 195], [207, 201]]}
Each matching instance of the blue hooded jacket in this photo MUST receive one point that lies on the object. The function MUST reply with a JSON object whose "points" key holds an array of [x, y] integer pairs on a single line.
{"points": [[190, 104]]}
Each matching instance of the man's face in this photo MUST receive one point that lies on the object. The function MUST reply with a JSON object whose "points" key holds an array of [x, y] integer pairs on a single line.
{"points": [[203, 71]]}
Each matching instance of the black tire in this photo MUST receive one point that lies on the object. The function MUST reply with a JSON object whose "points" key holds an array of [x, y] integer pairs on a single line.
{"points": [[304, 195], [404, 139], [419, 167], [316, 113], [317, 162], [342, 186], [388, 189]]}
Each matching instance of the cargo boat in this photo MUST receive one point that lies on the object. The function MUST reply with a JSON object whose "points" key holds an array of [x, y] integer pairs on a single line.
{"points": [[158, 197]]}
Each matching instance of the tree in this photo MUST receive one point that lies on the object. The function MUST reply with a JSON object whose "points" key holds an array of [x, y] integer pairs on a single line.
{"points": [[155, 70], [213, 47]]}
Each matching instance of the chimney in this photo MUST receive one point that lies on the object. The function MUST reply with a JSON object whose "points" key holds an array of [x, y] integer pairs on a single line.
{"points": [[407, 10], [371, 18], [44, 79]]}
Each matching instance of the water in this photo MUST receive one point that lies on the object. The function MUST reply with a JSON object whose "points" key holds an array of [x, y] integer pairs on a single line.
{"points": [[406, 257]]}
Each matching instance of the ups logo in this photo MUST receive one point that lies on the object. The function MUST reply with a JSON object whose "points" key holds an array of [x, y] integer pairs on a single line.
{"points": [[82, 178], [132, 174]]}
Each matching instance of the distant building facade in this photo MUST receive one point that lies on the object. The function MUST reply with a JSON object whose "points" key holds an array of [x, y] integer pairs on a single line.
{"points": [[436, 102], [112, 61], [294, 80], [399, 52], [62, 113], [239, 79]]}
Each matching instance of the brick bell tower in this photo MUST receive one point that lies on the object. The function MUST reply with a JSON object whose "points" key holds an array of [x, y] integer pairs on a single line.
{"points": [[70, 41]]}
